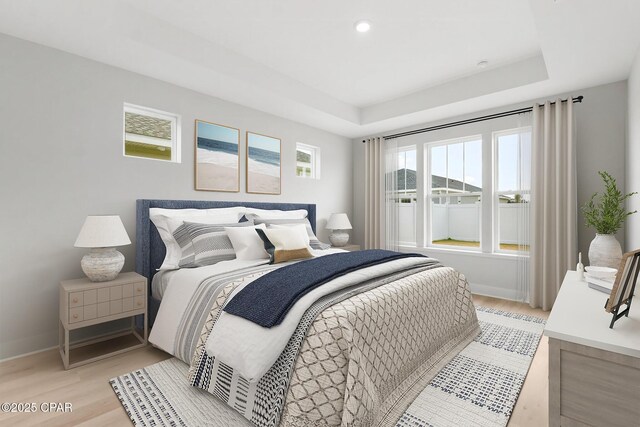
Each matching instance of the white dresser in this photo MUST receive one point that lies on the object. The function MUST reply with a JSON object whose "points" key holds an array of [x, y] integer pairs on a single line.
{"points": [[594, 371]]}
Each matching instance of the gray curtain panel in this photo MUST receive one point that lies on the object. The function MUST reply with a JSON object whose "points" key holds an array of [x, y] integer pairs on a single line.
{"points": [[554, 201], [374, 193]]}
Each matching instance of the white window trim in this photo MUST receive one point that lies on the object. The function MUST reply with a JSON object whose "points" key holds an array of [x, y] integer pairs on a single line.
{"points": [[495, 188], [428, 195], [176, 130], [315, 160]]}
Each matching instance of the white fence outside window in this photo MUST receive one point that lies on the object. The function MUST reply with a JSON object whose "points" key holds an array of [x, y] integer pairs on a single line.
{"points": [[461, 222]]}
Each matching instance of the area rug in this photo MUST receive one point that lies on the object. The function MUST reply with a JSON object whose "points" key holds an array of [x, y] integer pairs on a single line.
{"points": [[479, 387]]}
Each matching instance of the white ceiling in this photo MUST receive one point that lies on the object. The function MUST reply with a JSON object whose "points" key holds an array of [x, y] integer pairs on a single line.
{"points": [[302, 59]]}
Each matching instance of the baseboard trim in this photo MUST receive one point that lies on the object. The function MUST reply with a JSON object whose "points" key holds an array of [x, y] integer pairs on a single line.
{"points": [[31, 353], [495, 292]]}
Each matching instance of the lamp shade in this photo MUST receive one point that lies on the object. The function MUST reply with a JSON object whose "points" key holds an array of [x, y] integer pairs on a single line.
{"points": [[102, 231], [338, 221]]}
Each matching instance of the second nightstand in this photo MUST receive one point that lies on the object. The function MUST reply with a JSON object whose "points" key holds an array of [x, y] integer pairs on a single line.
{"points": [[85, 303]]}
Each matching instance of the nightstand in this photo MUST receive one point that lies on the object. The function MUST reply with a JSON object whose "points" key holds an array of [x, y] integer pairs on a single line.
{"points": [[350, 248], [85, 303]]}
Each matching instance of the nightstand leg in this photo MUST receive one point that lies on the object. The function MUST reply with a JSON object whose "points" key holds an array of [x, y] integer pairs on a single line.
{"points": [[146, 327], [64, 345]]}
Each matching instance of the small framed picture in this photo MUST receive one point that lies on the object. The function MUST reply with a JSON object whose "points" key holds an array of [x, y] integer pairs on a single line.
{"points": [[624, 286], [217, 158], [263, 164]]}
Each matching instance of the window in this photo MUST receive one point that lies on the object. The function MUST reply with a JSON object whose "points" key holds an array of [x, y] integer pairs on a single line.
{"points": [[512, 193], [454, 192], [151, 134], [406, 195], [406, 178], [307, 161]]}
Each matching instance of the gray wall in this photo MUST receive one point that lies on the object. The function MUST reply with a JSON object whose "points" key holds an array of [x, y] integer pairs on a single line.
{"points": [[633, 156], [61, 160], [601, 135]]}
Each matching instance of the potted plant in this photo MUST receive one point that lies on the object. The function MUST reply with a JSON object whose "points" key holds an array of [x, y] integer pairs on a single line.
{"points": [[606, 213]]}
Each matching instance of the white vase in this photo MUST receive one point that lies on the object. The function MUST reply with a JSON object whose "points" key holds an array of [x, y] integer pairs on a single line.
{"points": [[605, 251], [102, 264], [339, 238]]}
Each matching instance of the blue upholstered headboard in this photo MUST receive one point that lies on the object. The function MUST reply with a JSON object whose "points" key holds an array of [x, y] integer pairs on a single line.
{"points": [[150, 250]]}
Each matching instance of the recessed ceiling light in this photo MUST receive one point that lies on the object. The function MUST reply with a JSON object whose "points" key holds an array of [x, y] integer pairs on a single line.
{"points": [[483, 64], [362, 26]]}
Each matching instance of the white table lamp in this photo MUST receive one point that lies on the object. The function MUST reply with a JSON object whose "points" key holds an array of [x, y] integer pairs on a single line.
{"points": [[102, 233], [339, 224]]}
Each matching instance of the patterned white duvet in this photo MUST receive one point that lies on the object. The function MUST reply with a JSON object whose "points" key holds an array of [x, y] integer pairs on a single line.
{"points": [[356, 356]]}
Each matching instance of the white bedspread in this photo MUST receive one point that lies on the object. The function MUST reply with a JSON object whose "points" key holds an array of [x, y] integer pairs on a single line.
{"points": [[251, 349], [182, 284], [181, 287]]}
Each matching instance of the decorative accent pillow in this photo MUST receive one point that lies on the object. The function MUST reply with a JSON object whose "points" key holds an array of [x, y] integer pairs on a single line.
{"points": [[284, 222], [168, 220], [275, 213], [285, 244], [246, 242], [205, 244]]}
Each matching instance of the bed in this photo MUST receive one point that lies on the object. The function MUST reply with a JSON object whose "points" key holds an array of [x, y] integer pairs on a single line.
{"points": [[358, 353]]}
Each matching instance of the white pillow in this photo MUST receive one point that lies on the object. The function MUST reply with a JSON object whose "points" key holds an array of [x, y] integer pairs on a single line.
{"points": [[299, 228], [277, 214], [168, 220], [288, 238], [246, 242]]}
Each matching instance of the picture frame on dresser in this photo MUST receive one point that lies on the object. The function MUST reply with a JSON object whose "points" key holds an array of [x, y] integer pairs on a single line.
{"points": [[624, 286]]}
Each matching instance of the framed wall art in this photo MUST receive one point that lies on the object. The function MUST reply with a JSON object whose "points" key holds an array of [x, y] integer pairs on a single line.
{"points": [[263, 164], [217, 157]]}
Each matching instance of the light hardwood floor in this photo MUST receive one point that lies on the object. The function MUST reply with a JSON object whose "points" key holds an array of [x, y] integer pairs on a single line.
{"points": [[41, 378]]}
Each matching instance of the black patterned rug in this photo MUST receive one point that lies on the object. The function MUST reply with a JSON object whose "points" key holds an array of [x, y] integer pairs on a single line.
{"points": [[479, 387]]}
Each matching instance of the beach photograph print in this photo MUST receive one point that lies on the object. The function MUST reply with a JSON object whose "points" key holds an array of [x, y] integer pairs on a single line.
{"points": [[217, 157], [263, 164]]}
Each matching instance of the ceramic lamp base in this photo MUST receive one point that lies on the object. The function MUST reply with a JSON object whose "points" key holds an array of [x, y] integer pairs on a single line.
{"points": [[339, 238], [102, 264]]}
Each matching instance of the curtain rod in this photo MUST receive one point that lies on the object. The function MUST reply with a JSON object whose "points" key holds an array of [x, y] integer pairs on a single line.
{"points": [[577, 99]]}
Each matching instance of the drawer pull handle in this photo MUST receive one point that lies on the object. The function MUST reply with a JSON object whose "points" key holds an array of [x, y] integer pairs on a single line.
{"points": [[75, 300], [138, 289], [139, 303], [75, 316]]}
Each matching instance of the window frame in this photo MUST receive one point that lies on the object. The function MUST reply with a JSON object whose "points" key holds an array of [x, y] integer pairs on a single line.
{"points": [[495, 199], [176, 130], [404, 149], [314, 152], [429, 196]]}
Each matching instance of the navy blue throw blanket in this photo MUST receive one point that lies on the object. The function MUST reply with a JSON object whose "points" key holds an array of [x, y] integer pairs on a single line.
{"points": [[267, 300]]}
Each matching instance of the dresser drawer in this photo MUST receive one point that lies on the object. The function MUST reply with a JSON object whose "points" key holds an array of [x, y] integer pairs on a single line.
{"points": [[90, 312], [103, 309], [139, 302], [103, 295], [115, 293], [139, 288], [127, 290], [90, 297], [76, 314], [76, 299], [115, 307], [127, 304]]}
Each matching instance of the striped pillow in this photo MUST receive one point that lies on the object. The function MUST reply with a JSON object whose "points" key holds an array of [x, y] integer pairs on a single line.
{"points": [[205, 244], [313, 240]]}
